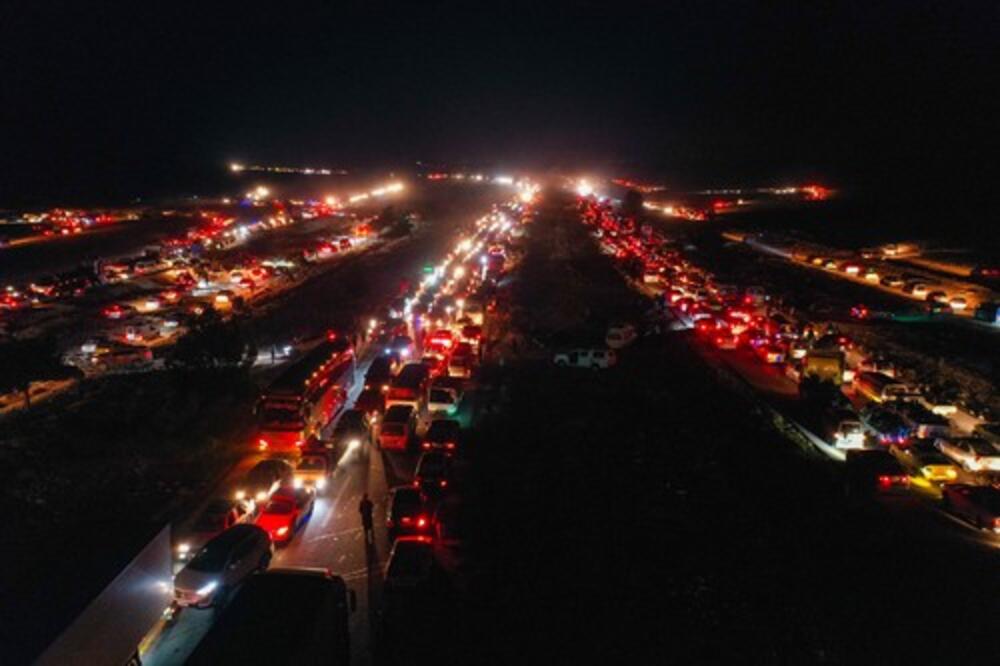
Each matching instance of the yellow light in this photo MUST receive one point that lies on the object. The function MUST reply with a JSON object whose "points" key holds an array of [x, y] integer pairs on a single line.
{"points": [[261, 191], [459, 272]]}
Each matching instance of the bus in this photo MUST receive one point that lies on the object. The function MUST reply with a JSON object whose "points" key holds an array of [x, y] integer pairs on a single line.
{"points": [[881, 388], [305, 397]]}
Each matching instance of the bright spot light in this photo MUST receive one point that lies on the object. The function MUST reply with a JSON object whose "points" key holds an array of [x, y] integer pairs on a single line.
{"points": [[331, 200], [236, 167], [261, 191], [584, 189], [459, 272]]}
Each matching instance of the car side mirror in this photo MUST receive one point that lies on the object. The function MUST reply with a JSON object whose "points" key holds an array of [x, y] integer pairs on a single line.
{"points": [[353, 600]]}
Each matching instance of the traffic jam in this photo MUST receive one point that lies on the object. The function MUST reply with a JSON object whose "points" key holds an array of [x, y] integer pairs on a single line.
{"points": [[396, 397], [115, 314], [848, 400]]}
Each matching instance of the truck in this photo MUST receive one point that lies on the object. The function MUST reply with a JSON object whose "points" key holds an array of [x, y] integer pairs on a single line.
{"points": [[283, 616]]}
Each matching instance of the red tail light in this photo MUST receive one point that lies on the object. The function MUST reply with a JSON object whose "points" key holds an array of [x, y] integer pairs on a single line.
{"points": [[405, 520], [444, 483], [426, 445], [421, 522], [450, 446]]}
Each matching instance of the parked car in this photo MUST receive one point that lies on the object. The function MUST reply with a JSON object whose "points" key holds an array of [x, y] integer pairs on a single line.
{"points": [[221, 565]]}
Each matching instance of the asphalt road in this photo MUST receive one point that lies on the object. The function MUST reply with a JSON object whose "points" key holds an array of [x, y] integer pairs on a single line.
{"points": [[332, 538]]}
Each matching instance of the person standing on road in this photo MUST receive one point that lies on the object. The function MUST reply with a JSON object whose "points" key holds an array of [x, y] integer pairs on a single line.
{"points": [[366, 508]]}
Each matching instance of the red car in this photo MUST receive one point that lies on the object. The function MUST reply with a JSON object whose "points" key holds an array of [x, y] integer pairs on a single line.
{"points": [[118, 311], [285, 512]]}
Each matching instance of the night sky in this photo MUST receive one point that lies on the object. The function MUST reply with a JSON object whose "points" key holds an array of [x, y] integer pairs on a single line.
{"points": [[115, 102]]}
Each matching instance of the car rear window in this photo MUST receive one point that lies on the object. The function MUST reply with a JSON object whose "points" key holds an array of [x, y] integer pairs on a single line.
{"points": [[392, 429]]}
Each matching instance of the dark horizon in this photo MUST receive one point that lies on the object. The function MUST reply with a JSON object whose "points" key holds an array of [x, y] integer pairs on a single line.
{"points": [[109, 105]]}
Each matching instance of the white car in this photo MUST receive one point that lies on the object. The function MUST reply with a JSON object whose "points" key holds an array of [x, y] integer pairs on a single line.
{"points": [[973, 453], [210, 577], [586, 358], [442, 400]]}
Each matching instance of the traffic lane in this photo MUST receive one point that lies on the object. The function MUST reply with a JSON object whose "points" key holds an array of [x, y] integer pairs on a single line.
{"points": [[59, 253], [763, 377]]}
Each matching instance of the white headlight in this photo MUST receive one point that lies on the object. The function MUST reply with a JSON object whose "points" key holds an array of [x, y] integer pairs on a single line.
{"points": [[207, 589], [184, 548], [321, 484]]}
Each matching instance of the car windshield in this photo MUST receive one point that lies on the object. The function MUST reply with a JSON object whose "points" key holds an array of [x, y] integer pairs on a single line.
{"points": [[279, 507], [440, 395], [406, 500], [312, 464], [211, 522], [409, 561], [431, 467], [211, 558], [284, 416]]}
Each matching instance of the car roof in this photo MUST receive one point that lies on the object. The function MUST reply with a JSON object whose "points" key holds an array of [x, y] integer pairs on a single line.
{"points": [[236, 534]]}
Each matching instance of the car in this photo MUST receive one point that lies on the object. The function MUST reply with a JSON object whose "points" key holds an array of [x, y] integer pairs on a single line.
{"points": [[433, 472], [471, 334], [927, 462], [353, 430], [403, 346], [885, 426], [371, 401], [893, 281], [770, 353], [118, 311], [218, 515], [221, 565], [408, 512], [411, 564], [727, 340], [595, 359], [437, 365], [281, 616], [442, 400], [937, 297], [875, 472], [958, 303], [980, 505], [286, 511], [380, 373], [974, 454], [397, 427], [461, 363], [620, 336], [264, 478], [312, 471], [439, 342], [443, 434]]}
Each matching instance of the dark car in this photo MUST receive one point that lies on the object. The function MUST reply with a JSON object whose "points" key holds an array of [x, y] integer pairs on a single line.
{"points": [[371, 401], [380, 373], [408, 512], [877, 472], [980, 505], [264, 478], [353, 426], [443, 434], [219, 515], [433, 472], [411, 564]]}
